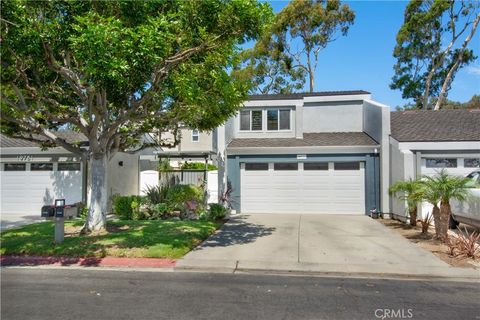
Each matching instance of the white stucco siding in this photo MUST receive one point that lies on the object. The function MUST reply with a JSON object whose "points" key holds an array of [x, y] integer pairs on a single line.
{"points": [[402, 168], [334, 117], [123, 174]]}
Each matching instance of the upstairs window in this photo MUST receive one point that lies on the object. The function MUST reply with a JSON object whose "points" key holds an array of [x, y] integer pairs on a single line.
{"points": [[251, 120], [195, 135], [278, 120]]}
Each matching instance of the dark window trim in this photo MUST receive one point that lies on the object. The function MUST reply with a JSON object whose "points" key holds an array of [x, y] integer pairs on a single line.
{"points": [[49, 164], [278, 166], [323, 166], [256, 166], [454, 160], [354, 166], [13, 163], [69, 163]]}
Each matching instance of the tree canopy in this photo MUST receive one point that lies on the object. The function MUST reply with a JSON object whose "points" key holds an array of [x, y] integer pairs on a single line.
{"points": [[115, 70], [288, 51], [432, 45]]}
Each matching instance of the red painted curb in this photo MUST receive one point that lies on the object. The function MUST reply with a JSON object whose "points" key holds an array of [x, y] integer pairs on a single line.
{"points": [[87, 262]]}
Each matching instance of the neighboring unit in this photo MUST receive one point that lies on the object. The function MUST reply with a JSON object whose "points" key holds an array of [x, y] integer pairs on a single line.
{"points": [[31, 177], [424, 142]]}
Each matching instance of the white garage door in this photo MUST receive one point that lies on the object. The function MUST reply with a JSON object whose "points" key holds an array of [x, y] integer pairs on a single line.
{"points": [[26, 187], [315, 187]]}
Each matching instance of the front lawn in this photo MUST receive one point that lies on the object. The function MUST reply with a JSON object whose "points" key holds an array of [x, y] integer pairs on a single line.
{"points": [[151, 239]]}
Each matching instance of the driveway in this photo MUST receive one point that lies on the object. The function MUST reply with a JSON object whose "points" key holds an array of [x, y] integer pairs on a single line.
{"points": [[315, 243], [9, 221]]}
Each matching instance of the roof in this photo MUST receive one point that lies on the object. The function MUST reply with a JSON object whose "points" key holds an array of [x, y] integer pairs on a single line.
{"points": [[290, 96], [69, 136], [309, 140], [441, 125]]}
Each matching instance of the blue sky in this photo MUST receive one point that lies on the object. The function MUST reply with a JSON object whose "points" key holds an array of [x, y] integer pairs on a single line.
{"points": [[363, 59]]}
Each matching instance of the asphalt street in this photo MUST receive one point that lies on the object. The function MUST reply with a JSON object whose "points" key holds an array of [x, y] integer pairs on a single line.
{"points": [[34, 293]]}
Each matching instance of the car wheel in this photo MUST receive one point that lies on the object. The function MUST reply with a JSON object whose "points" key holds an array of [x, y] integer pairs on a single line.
{"points": [[452, 223]]}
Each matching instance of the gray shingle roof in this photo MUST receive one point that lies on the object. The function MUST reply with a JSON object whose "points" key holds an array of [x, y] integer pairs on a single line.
{"points": [[290, 96], [309, 140], [69, 136], [442, 125]]}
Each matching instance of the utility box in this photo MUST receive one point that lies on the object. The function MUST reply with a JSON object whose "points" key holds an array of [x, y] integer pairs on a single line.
{"points": [[47, 211]]}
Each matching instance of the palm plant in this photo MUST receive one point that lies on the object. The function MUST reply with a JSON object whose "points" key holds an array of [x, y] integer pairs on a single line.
{"points": [[446, 187], [412, 192], [431, 194]]}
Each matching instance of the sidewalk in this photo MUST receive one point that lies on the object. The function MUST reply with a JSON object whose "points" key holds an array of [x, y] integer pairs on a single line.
{"points": [[87, 262]]}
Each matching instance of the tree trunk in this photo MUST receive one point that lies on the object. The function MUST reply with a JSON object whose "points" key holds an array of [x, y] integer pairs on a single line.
{"points": [[97, 197], [445, 211], [436, 219], [413, 216], [453, 69]]}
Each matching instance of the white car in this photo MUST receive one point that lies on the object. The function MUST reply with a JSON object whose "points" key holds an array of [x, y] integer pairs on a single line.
{"points": [[468, 211]]}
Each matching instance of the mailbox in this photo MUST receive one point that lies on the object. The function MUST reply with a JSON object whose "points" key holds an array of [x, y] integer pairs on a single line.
{"points": [[59, 208], [48, 211]]}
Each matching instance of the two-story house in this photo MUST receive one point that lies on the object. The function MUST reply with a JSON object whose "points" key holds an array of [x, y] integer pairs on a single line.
{"points": [[324, 152]]}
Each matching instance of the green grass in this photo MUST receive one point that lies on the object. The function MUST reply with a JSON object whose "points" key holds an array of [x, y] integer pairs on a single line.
{"points": [[152, 239]]}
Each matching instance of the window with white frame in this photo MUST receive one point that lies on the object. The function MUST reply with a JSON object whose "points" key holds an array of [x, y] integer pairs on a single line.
{"points": [[278, 119], [195, 135], [251, 120]]}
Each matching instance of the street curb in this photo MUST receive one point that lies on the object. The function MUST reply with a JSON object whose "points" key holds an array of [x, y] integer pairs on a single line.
{"points": [[86, 262], [362, 275]]}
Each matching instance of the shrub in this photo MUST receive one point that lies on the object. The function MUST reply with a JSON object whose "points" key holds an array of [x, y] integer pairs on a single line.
{"points": [[156, 194], [467, 243], [426, 223], [159, 211], [178, 195], [198, 166], [217, 211], [124, 206], [464, 243]]}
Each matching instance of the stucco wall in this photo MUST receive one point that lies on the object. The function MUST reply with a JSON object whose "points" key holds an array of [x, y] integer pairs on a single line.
{"points": [[204, 143], [123, 179], [376, 123], [333, 117]]}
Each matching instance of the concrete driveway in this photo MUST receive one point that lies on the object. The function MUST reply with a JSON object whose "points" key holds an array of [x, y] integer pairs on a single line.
{"points": [[313, 243], [9, 221]]}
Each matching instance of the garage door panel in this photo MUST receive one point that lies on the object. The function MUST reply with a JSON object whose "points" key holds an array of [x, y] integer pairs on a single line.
{"points": [[25, 192], [309, 191]]}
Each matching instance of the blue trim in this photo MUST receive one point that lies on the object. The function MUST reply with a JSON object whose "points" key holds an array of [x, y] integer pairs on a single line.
{"points": [[372, 172]]}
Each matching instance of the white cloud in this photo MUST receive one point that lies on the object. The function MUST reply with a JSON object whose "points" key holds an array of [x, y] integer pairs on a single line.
{"points": [[475, 70]]}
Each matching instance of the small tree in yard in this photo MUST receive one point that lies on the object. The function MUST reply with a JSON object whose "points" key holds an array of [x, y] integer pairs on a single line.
{"points": [[446, 187], [431, 194], [412, 192], [115, 70]]}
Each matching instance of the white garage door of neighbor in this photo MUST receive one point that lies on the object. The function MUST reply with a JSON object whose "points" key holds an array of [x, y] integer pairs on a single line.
{"points": [[314, 187], [24, 192]]}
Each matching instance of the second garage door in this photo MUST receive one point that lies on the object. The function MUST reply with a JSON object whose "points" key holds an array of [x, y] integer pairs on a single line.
{"points": [[309, 187]]}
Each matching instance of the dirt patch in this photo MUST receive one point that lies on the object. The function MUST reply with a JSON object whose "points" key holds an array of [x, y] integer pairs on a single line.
{"points": [[428, 242]]}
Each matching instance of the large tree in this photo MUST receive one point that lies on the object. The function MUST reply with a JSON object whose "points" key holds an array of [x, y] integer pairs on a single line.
{"points": [[432, 45], [114, 70], [289, 50]]}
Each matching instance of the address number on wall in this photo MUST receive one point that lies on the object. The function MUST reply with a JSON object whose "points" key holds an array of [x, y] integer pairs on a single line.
{"points": [[25, 157]]}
